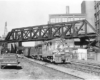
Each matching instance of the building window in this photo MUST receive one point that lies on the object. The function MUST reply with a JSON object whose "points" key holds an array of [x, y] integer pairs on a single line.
{"points": [[71, 19], [98, 24], [63, 19], [51, 20], [82, 18], [76, 19], [97, 17], [57, 20], [99, 6]]}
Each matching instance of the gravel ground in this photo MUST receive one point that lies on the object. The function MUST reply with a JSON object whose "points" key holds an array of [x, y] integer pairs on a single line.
{"points": [[31, 70]]}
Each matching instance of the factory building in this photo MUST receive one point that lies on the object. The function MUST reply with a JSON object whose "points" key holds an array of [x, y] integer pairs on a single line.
{"points": [[97, 23], [65, 17], [87, 12], [87, 8], [56, 18], [97, 15]]}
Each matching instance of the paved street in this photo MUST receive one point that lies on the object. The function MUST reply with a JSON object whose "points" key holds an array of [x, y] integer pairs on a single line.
{"points": [[30, 70]]}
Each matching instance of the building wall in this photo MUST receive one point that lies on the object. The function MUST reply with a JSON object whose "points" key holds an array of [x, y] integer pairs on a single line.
{"points": [[67, 9], [88, 9], [65, 18], [83, 7], [97, 18], [97, 15], [90, 12], [56, 18]]}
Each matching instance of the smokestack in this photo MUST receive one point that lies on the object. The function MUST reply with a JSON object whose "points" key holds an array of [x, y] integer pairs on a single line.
{"points": [[67, 9]]}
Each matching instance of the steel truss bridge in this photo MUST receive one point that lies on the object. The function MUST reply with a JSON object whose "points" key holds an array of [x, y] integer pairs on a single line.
{"points": [[67, 30], [80, 29]]}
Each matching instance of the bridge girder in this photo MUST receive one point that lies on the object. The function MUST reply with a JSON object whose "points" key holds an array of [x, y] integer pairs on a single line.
{"points": [[73, 29]]}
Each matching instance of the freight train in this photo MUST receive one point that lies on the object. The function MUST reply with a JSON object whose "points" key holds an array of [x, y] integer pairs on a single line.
{"points": [[56, 50]]}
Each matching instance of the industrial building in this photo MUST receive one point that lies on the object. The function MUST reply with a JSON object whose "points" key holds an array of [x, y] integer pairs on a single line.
{"points": [[97, 24], [56, 18], [87, 8], [87, 12], [97, 15]]}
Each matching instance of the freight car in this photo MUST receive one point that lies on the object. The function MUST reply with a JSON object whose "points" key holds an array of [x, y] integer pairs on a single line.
{"points": [[55, 50], [36, 52], [26, 51]]}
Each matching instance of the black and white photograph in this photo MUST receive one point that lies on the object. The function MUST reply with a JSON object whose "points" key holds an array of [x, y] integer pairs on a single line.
{"points": [[49, 40]]}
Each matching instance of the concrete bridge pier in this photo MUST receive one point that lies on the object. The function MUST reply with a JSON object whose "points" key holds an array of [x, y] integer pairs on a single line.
{"points": [[12, 47], [20, 48], [83, 41], [15, 47]]}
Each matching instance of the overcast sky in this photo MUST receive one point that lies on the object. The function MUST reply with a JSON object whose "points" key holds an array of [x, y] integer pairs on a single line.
{"points": [[23, 13]]}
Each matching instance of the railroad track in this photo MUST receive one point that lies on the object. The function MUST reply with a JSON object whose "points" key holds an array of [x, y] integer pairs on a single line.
{"points": [[68, 70], [81, 66], [84, 67]]}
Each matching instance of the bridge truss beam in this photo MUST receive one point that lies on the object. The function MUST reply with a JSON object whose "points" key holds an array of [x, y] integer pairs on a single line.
{"points": [[67, 30]]}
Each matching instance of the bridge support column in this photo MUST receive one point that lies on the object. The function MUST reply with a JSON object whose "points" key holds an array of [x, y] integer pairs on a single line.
{"points": [[20, 44], [19, 48], [12, 47], [83, 42], [4, 47], [98, 41]]}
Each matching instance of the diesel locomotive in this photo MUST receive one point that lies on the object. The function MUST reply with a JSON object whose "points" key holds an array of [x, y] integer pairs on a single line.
{"points": [[56, 50]]}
